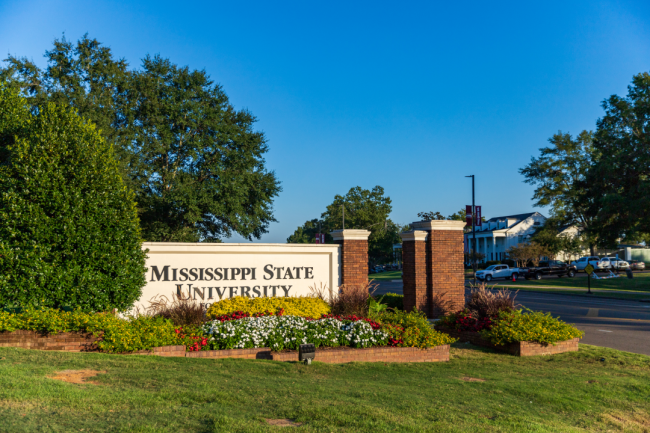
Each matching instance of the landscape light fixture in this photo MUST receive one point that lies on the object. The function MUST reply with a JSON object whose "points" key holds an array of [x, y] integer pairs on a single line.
{"points": [[306, 352]]}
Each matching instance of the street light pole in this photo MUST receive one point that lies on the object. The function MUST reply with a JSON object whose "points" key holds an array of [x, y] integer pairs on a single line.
{"points": [[473, 232]]}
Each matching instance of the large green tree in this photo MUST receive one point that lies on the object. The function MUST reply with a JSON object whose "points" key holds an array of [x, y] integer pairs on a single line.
{"points": [[194, 162], [619, 181], [69, 232], [364, 209], [559, 174]]}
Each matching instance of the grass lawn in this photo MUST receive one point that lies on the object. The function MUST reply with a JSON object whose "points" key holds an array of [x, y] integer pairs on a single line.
{"points": [[595, 294], [477, 391], [382, 276], [640, 283]]}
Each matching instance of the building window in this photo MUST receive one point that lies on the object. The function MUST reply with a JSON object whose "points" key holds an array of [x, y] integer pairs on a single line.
{"points": [[520, 238]]}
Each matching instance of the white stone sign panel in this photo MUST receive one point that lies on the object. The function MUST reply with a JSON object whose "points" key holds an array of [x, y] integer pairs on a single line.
{"points": [[209, 272]]}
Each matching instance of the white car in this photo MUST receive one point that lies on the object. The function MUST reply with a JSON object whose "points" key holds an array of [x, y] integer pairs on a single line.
{"points": [[582, 263], [498, 271], [614, 263]]}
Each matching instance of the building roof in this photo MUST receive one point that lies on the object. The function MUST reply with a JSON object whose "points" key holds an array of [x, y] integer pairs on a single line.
{"points": [[518, 217]]}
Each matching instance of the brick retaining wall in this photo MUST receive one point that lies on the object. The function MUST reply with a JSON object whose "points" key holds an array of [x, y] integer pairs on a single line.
{"points": [[522, 348], [373, 354], [67, 341], [85, 342]]}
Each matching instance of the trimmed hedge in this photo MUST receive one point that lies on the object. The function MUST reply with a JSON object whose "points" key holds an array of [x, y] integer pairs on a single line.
{"points": [[69, 231]]}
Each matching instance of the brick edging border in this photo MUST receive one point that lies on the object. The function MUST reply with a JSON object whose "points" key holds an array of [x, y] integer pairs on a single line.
{"points": [[86, 342], [521, 348]]}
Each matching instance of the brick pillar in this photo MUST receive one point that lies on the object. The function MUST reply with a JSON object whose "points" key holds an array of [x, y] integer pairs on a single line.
{"points": [[354, 256], [444, 262], [414, 271]]}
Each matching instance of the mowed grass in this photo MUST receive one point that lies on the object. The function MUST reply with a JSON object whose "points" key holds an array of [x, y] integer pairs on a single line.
{"points": [[389, 275], [573, 392], [640, 282], [612, 294]]}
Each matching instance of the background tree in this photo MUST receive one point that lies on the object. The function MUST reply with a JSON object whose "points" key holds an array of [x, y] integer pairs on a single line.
{"points": [[470, 256], [85, 76], [364, 209], [559, 174], [520, 254], [306, 233], [619, 180], [536, 252], [69, 232], [369, 210], [200, 170], [431, 216], [548, 236], [195, 163]]}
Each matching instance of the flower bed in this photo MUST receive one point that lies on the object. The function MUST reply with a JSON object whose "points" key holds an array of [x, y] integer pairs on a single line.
{"points": [[288, 332], [294, 306], [519, 332], [237, 330]]}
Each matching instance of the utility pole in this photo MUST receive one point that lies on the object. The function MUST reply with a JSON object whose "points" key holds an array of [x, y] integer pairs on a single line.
{"points": [[343, 207], [473, 232]]}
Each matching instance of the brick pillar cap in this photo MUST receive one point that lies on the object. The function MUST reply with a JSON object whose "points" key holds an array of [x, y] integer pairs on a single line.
{"points": [[438, 225], [350, 235], [413, 235]]}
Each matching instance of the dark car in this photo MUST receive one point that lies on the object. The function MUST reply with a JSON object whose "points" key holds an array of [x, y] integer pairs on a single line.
{"points": [[548, 267]]}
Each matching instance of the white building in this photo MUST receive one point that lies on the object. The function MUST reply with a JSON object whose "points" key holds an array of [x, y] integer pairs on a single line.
{"points": [[498, 234]]}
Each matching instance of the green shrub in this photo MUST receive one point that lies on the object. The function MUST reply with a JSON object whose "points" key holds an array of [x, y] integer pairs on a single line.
{"points": [[415, 329], [393, 300], [118, 334], [69, 231], [527, 325]]}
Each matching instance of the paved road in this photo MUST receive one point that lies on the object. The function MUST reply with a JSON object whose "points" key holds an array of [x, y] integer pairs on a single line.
{"points": [[622, 325]]}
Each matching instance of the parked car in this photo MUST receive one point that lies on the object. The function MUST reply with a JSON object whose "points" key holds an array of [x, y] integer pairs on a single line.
{"points": [[548, 267], [582, 263], [614, 263], [498, 271], [637, 265]]}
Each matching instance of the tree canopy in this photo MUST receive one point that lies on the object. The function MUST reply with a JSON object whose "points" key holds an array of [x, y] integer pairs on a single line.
{"points": [[559, 173], [619, 181], [69, 232], [194, 162], [364, 209]]}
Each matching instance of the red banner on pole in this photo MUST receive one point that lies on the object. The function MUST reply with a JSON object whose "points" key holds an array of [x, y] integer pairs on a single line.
{"points": [[478, 216], [468, 215]]}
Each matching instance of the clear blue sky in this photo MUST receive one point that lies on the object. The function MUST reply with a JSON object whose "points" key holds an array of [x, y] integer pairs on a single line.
{"points": [[411, 96]]}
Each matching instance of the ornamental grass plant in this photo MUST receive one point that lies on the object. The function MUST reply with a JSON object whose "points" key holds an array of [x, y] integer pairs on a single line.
{"points": [[348, 300], [489, 303], [182, 311]]}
